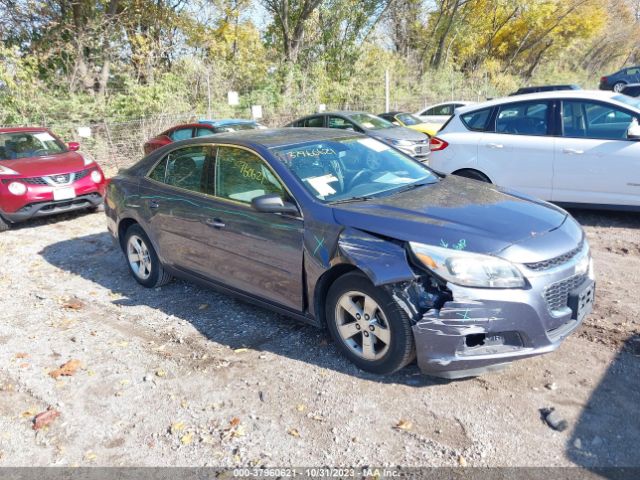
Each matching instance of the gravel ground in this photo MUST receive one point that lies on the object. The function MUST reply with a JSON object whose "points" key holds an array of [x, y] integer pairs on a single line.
{"points": [[186, 376]]}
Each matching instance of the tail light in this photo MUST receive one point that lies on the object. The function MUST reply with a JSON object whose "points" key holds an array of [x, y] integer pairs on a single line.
{"points": [[436, 144], [603, 79]]}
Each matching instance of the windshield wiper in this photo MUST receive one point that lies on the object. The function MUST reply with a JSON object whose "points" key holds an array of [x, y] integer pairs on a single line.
{"points": [[412, 186], [360, 198]]}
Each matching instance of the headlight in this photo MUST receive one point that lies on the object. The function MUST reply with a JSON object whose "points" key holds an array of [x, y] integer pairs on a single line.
{"points": [[401, 143], [468, 269], [96, 176], [17, 188], [7, 171]]}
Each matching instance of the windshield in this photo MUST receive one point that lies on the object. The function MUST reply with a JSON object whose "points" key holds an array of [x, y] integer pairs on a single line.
{"points": [[408, 119], [28, 144], [631, 101], [370, 122], [351, 168]]}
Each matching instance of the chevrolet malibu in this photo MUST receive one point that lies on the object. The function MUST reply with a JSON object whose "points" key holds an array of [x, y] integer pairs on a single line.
{"points": [[41, 176], [342, 231]]}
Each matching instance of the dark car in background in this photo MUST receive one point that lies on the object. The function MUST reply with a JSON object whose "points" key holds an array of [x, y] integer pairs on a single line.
{"points": [[631, 90], [199, 129], [339, 230], [40, 176], [409, 141], [545, 88], [617, 81]]}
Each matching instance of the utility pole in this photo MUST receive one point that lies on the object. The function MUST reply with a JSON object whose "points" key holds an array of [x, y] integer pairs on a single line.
{"points": [[386, 90], [209, 116]]}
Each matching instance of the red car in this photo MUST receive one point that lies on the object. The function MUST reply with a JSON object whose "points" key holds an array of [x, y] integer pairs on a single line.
{"points": [[40, 175], [200, 129]]}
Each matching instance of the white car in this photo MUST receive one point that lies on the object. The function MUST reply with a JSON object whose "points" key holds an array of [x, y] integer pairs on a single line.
{"points": [[440, 112], [579, 148]]}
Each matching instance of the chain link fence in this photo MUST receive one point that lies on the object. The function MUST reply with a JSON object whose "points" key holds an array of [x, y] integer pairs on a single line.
{"points": [[116, 143]]}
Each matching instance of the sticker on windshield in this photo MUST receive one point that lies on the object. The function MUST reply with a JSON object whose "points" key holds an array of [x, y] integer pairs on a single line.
{"points": [[374, 145], [321, 184], [43, 136], [368, 125], [392, 178]]}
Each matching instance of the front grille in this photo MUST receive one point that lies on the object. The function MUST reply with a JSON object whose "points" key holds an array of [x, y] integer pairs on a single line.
{"points": [[556, 261], [82, 174], [557, 294], [35, 181]]}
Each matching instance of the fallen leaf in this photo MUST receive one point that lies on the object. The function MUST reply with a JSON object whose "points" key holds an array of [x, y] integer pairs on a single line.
{"points": [[90, 456], [73, 303], [241, 350], [184, 404], [294, 432], [43, 419], [160, 372], [22, 355], [177, 427], [123, 344], [404, 425], [29, 413], [234, 421], [66, 370], [187, 438], [301, 407], [461, 461]]}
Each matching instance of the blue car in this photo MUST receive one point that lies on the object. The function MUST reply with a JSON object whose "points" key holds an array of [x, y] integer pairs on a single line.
{"points": [[345, 232], [617, 81]]}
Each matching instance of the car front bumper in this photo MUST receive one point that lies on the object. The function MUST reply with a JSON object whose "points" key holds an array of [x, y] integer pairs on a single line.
{"points": [[485, 329], [44, 209]]}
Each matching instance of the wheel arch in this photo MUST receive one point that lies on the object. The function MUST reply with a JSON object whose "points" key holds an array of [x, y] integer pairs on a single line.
{"points": [[324, 284], [123, 226], [474, 170]]}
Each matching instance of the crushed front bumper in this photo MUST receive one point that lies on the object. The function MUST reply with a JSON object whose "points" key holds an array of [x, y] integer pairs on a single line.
{"points": [[485, 329]]}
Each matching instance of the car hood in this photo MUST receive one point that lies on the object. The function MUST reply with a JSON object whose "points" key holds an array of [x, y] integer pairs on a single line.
{"points": [[47, 165], [465, 214], [398, 133]]}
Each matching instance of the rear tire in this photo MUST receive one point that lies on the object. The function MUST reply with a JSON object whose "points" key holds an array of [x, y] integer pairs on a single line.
{"points": [[473, 174], [368, 325], [617, 87], [4, 226], [142, 259]]}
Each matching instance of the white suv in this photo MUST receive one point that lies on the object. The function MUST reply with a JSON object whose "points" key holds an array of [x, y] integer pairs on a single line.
{"points": [[572, 147]]}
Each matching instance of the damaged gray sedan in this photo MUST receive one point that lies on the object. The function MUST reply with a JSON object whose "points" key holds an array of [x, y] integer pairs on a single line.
{"points": [[346, 232]]}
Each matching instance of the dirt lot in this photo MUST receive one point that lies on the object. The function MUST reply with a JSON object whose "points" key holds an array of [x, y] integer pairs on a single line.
{"points": [[186, 376]]}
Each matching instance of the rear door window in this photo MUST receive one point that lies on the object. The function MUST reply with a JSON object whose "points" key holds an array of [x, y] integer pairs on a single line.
{"points": [[181, 134], [185, 168], [523, 118], [341, 123], [203, 132], [314, 122]]}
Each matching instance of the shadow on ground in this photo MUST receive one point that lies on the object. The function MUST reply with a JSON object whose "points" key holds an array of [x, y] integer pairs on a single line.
{"points": [[226, 321], [608, 429], [606, 218]]}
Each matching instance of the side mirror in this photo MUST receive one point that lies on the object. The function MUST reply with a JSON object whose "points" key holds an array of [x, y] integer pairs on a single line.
{"points": [[73, 146], [633, 132], [273, 203]]}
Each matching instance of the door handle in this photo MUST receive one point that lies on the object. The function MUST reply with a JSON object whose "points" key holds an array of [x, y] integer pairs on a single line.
{"points": [[495, 145], [215, 223], [154, 204], [572, 151]]}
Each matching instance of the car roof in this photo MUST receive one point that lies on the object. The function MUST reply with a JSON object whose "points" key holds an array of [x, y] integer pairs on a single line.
{"points": [[22, 129], [462, 102], [395, 112], [226, 121], [552, 95], [277, 137]]}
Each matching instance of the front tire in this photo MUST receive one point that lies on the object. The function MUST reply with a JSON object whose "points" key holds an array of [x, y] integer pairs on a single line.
{"points": [[368, 325], [142, 259]]}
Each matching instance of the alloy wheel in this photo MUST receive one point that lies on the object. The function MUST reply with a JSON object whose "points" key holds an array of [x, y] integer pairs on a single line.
{"points": [[362, 325], [139, 257]]}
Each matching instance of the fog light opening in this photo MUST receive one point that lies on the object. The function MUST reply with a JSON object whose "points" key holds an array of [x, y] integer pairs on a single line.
{"points": [[475, 340]]}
